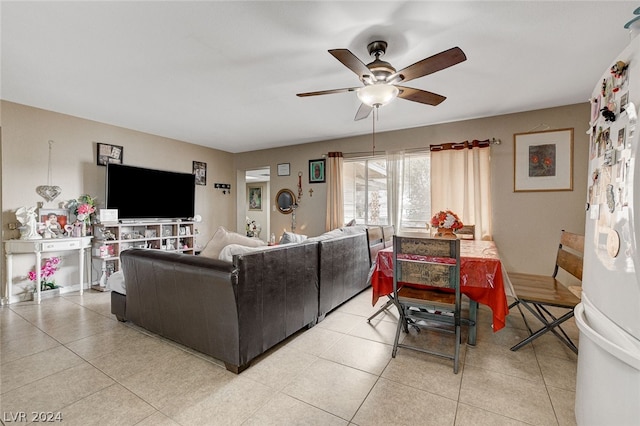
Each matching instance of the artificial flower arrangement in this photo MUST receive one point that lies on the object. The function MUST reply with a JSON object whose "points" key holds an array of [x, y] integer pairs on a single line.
{"points": [[47, 270], [83, 207], [446, 219]]}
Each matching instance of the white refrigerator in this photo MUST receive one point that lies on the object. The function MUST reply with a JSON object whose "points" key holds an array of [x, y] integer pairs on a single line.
{"points": [[608, 318]]}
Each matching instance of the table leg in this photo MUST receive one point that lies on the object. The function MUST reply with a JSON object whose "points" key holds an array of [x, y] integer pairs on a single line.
{"points": [[473, 316], [38, 277], [81, 270], [9, 277]]}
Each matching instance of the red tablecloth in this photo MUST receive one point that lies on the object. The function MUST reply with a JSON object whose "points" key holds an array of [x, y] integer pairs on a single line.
{"points": [[480, 277]]}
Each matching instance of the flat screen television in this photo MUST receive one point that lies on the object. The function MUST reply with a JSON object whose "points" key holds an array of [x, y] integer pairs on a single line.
{"points": [[140, 193]]}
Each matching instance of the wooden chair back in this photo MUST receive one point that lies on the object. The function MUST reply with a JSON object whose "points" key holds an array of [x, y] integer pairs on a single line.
{"points": [[375, 240], [429, 262], [570, 254], [388, 231], [467, 232]]}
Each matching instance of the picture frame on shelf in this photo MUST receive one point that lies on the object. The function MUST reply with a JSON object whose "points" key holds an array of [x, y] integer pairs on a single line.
{"points": [[255, 198], [200, 170], [543, 161], [61, 217], [108, 153], [317, 171], [284, 169]]}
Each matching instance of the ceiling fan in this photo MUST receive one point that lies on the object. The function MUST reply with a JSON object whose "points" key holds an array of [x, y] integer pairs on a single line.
{"points": [[381, 80]]}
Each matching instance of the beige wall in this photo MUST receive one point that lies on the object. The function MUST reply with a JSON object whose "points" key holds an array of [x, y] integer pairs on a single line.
{"points": [[25, 135], [526, 225]]}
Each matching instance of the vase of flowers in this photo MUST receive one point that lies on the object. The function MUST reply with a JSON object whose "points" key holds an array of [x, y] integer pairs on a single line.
{"points": [[47, 270], [84, 208], [446, 222], [253, 229]]}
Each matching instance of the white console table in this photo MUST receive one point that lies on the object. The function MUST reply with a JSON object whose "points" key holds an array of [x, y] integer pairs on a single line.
{"points": [[37, 247]]}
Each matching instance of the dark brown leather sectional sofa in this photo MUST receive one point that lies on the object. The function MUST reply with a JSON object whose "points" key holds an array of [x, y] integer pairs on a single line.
{"points": [[235, 311]]}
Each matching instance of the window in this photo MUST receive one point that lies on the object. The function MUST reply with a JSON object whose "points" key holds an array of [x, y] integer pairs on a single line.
{"points": [[365, 191], [416, 191]]}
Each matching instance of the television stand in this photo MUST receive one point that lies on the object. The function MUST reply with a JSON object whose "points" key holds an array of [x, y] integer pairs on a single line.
{"points": [[110, 239]]}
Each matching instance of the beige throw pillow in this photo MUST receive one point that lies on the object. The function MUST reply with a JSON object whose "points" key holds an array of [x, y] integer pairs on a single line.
{"points": [[223, 238]]}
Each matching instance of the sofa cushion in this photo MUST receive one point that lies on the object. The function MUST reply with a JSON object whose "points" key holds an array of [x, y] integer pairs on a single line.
{"points": [[223, 238], [351, 230], [230, 250], [290, 237], [328, 235], [116, 283]]}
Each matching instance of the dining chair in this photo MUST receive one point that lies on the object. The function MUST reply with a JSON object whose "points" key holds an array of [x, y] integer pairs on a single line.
{"points": [[375, 241], [388, 231], [426, 290], [375, 234], [467, 232], [539, 293]]}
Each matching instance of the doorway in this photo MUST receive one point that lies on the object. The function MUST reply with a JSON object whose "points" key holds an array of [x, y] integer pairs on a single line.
{"points": [[257, 205]]}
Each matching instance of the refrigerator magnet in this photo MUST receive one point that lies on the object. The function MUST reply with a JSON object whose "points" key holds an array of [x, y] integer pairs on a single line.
{"points": [[613, 243]]}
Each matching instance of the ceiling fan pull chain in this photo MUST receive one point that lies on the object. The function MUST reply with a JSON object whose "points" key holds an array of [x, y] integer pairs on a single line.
{"points": [[374, 118], [49, 174]]}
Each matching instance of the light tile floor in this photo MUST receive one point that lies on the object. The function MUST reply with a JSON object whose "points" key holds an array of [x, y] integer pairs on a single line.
{"points": [[69, 355]]}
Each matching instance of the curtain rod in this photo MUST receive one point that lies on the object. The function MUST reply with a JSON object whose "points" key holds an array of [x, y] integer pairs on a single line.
{"points": [[492, 141], [466, 144]]}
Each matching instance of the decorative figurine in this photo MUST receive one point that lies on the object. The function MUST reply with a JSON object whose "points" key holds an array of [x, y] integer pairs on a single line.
{"points": [[27, 218], [77, 229]]}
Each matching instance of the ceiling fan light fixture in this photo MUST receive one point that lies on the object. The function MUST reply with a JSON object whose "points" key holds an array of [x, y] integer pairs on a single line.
{"points": [[377, 95]]}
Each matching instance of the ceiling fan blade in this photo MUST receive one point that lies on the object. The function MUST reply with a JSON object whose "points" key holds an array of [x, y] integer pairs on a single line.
{"points": [[328, 92], [352, 62], [429, 65], [422, 96], [363, 112]]}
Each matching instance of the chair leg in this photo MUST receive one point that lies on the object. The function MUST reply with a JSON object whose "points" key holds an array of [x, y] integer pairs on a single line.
{"points": [[456, 356], [473, 319], [401, 322], [382, 309], [548, 326], [526, 323]]}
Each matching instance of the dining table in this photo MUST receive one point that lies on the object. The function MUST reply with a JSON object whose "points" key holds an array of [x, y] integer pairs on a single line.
{"points": [[482, 277]]}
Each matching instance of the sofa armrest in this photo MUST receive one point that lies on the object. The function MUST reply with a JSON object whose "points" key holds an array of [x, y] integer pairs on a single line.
{"points": [[343, 270], [277, 293], [185, 298]]}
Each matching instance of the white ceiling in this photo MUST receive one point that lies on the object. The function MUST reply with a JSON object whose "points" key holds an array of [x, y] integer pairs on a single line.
{"points": [[225, 74]]}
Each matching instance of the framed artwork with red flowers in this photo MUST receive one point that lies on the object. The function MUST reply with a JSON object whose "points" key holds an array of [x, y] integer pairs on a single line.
{"points": [[543, 161]]}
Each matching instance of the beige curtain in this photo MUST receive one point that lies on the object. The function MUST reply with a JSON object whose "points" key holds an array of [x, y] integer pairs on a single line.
{"points": [[460, 182], [395, 183], [335, 200]]}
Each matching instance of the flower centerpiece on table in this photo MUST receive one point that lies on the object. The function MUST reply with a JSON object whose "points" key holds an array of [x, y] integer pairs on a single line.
{"points": [[253, 229], [446, 221], [84, 208], [47, 270]]}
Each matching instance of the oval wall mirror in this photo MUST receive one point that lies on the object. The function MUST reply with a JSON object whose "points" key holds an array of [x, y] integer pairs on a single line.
{"points": [[285, 200]]}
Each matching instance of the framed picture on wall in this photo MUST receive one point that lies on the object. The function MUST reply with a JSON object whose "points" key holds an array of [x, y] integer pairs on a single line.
{"points": [[284, 169], [255, 197], [200, 170], [543, 161], [316, 171], [108, 153]]}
